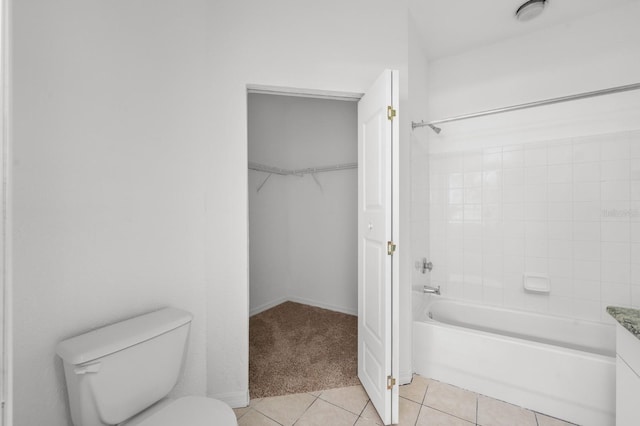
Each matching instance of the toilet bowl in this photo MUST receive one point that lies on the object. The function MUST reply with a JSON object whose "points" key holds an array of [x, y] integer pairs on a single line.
{"points": [[188, 411], [121, 374]]}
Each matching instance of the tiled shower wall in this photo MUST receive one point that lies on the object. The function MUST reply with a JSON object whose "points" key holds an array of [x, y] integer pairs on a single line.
{"points": [[566, 209]]}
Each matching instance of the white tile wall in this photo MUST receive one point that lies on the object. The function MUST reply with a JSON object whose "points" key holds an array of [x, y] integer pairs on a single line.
{"points": [[421, 197], [569, 209]]}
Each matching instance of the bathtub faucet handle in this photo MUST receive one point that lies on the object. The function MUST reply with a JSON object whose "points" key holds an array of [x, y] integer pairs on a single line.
{"points": [[426, 265]]}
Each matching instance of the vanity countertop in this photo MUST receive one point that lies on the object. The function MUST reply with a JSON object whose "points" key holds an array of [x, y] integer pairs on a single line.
{"points": [[629, 318]]}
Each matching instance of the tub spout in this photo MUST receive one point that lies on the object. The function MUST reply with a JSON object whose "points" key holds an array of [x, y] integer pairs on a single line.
{"points": [[431, 290]]}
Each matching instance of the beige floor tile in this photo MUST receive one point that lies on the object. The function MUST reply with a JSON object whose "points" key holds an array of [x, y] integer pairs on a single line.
{"points": [[452, 400], [444, 405], [415, 390], [322, 413], [241, 411], [285, 409], [371, 414], [492, 412], [430, 417], [409, 411], [366, 422], [253, 418], [352, 398], [551, 421]]}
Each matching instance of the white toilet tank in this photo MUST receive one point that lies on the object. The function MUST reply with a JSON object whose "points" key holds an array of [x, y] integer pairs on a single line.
{"points": [[117, 371]]}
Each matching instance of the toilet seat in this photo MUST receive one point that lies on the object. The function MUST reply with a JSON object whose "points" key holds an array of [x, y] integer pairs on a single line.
{"points": [[192, 411]]}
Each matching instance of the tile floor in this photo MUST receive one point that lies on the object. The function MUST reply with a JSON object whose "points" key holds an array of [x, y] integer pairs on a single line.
{"points": [[424, 402]]}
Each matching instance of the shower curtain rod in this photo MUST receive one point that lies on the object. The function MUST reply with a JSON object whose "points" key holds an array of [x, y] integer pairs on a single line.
{"points": [[611, 90]]}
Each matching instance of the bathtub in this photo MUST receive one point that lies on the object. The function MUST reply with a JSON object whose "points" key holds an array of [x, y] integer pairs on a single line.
{"points": [[557, 366]]}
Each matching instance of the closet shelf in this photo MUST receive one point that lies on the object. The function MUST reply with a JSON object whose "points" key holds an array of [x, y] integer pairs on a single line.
{"points": [[269, 169], [300, 172]]}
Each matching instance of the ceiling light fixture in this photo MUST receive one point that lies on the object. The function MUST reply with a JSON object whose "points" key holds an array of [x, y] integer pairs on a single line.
{"points": [[530, 10]]}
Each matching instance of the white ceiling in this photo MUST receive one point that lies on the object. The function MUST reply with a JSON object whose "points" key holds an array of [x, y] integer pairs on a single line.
{"points": [[449, 27]]}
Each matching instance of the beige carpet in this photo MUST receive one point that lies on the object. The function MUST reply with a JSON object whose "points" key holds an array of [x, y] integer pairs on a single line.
{"points": [[297, 348]]}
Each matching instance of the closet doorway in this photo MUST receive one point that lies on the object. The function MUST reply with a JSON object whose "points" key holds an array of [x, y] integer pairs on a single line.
{"points": [[303, 242]]}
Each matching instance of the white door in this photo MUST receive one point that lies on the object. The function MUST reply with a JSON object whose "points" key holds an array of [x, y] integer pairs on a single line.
{"points": [[377, 231]]}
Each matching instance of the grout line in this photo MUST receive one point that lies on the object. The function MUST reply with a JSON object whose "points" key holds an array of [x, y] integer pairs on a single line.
{"points": [[264, 415], [243, 414], [356, 421], [566, 422], [601, 261], [424, 396], [364, 408], [306, 409], [342, 408], [629, 228], [574, 292], [418, 417]]}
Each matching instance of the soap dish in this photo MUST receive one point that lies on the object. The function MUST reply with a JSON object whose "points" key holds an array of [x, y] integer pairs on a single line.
{"points": [[536, 283]]}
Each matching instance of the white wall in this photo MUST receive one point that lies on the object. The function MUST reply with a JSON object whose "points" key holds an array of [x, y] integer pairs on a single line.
{"points": [[112, 137], [542, 177], [130, 130], [332, 45], [302, 236]]}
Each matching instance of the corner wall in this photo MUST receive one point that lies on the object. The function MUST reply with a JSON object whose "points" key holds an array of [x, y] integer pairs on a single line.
{"points": [[419, 207], [415, 187]]}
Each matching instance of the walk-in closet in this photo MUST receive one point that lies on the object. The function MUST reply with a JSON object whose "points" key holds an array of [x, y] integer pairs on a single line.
{"points": [[303, 191]]}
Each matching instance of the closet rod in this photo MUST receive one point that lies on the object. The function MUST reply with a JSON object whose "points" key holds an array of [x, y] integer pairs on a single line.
{"points": [[551, 101], [299, 172], [269, 169], [333, 168]]}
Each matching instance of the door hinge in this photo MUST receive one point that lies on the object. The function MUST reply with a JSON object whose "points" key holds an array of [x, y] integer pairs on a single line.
{"points": [[391, 248], [391, 113], [391, 382]]}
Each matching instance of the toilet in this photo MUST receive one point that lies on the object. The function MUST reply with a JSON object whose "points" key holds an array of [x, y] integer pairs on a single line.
{"points": [[121, 374]]}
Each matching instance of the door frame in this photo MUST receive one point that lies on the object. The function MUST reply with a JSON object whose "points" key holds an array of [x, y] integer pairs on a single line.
{"points": [[304, 93], [283, 91], [6, 338], [354, 97]]}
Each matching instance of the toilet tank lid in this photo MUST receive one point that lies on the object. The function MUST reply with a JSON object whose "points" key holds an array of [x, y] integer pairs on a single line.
{"points": [[121, 335]]}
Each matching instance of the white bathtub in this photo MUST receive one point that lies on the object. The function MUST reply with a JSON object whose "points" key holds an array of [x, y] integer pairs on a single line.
{"points": [[557, 366]]}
